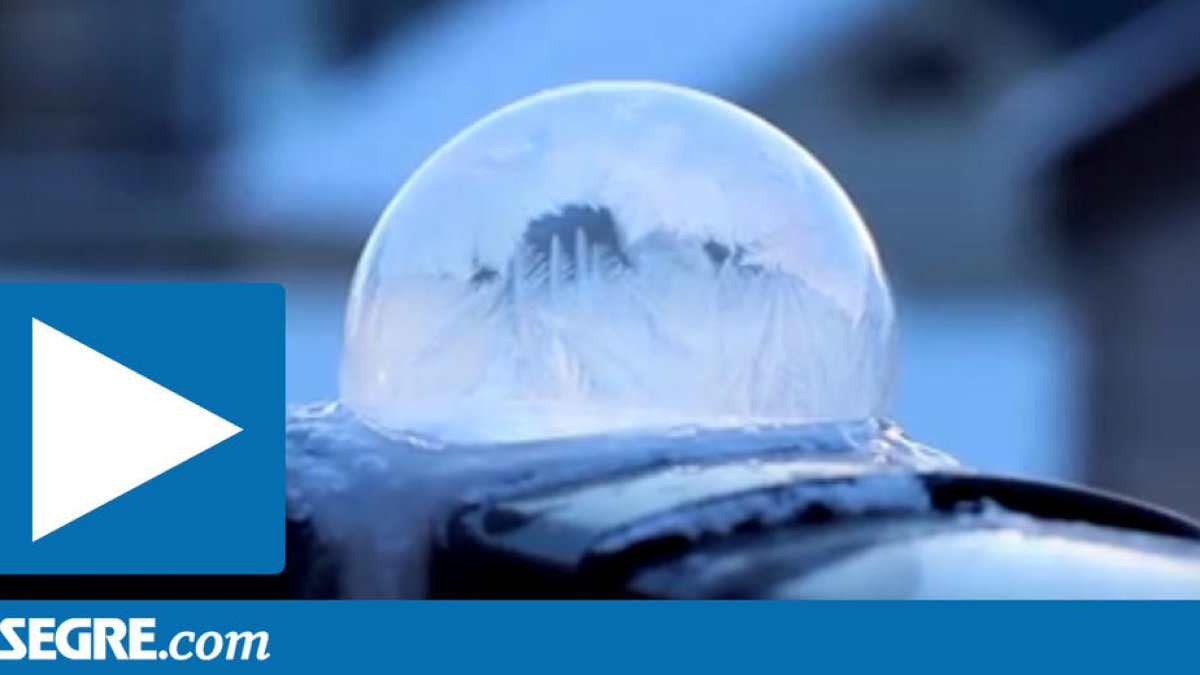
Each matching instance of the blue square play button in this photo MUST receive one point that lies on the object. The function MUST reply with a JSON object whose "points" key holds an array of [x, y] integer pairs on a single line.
{"points": [[142, 428]]}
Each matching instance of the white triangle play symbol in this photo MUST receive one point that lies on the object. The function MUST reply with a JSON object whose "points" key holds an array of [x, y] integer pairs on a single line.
{"points": [[101, 429]]}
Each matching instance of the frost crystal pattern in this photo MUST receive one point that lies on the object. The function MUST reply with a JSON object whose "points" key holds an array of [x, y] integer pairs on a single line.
{"points": [[617, 257]]}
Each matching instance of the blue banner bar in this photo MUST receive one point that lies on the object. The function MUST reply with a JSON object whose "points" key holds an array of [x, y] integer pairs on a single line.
{"points": [[529, 637]]}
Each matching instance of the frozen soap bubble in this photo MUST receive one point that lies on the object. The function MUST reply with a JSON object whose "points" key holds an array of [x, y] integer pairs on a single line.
{"points": [[617, 257]]}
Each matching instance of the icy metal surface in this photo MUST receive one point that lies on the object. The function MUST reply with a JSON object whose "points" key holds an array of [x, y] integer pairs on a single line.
{"points": [[374, 500], [1003, 555], [985, 553], [892, 492]]}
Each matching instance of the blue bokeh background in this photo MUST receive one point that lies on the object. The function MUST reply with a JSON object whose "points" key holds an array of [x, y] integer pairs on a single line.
{"points": [[233, 141]]}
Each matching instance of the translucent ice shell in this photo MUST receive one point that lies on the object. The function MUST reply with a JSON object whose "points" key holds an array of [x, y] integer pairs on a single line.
{"points": [[617, 257]]}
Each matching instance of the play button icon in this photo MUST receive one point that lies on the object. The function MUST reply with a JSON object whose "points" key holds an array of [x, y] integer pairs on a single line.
{"points": [[141, 428], [101, 429]]}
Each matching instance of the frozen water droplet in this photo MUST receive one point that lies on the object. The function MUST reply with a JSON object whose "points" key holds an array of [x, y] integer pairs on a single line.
{"points": [[616, 256]]}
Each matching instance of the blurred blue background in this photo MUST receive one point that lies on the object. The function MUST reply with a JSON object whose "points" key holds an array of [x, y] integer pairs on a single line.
{"points": [[1028, 169]]}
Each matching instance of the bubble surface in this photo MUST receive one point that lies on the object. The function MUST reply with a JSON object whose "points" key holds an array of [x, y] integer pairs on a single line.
{"points": [[614, 257]]}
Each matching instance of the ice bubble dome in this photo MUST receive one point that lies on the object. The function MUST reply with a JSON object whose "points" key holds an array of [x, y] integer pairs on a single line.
{"points": [[617, 257]]}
